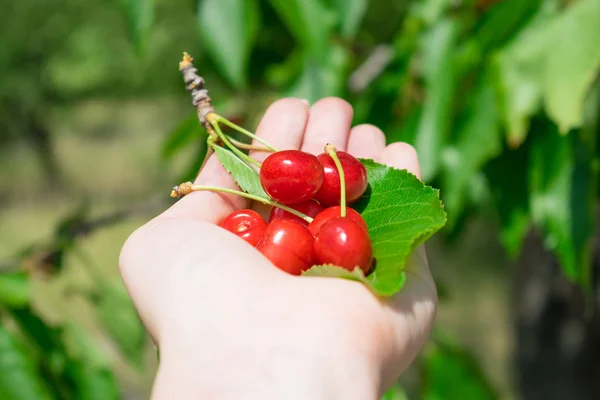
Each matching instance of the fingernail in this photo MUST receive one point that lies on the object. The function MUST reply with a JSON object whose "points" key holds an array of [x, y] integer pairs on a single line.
{"points": [[305, 101]]}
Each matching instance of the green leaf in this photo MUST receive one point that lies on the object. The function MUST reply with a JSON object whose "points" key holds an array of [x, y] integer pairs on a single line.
{"points": [[244, 175], [478, 140], [318, 81], [504, 21], [19, 378], [451, 373], [47, 343], [438, 47], [187, 131], [88, 367], [540, 65], [562, 180], [333, 271], [92, 383], [14, 289], [139, 16], [510, 196], [72, 364], [396, 392], [350, 13], [520, 69], [80, 346], [309, 23], [430, 11], [401, 213], [228, 28], [572, 62], [120, 320]]}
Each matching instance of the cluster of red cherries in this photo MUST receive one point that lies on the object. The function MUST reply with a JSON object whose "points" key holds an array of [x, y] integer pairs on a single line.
{"points": [[311, 185]]}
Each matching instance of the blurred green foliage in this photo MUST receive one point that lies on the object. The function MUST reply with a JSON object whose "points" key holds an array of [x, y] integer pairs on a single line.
{"points": [[499, 97]]}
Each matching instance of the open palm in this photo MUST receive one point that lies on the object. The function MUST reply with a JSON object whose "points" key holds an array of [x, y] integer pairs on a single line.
{"points": [[214, 301]]}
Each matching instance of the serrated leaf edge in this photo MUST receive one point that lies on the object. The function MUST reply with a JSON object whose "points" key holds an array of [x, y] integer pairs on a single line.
{"points": [[233, 177]]}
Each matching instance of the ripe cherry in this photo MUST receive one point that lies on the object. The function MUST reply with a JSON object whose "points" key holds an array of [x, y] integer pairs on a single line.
{"points": [[291, 176], [344, 242], [288, 245], [331, 213], [355, 177], [310, 208], [247, 224]]}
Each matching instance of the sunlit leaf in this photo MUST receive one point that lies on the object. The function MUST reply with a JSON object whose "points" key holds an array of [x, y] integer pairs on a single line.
{"points": [[561, 186], [186, 132], [520, 72], [332, 271], [396, 392], [350, 13], [14, 289], [572, 62], [88, 367], [318, 81], [120, 320], [401, 213], [244, 175], [92, 383], [438, 72], [19, 377], [74, 363], [450, 373], [503, 21], [139, 16], [228, 28], [309, 23], [510, 195], [430, 11], [477, 141]]}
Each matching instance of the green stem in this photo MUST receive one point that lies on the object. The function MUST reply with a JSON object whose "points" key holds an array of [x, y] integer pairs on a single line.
{"points": [[253, 197], [331, 150], [237, 151], [245, 146], [230, 124]]}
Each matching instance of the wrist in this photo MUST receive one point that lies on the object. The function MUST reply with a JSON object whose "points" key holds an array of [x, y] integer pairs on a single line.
{"points": [[275, 372]]}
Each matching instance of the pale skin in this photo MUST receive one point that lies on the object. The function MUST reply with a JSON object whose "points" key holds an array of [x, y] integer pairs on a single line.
{"points": [[230, 325]]}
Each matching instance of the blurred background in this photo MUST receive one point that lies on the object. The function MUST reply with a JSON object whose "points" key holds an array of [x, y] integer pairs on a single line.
{"points": [[500, 98]]}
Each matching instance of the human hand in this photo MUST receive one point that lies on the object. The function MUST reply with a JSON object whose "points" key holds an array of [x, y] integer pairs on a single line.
{"points": [[229, 324]]}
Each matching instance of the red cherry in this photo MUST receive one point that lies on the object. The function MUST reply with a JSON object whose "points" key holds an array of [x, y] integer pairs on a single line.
{"points": [[291, 176], [247, 224], [288, 245], [310, 208], [331, 213], [343, 242], [355, 175]]}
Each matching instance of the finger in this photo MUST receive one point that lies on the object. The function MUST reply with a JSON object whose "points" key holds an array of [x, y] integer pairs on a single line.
{"points": [[366, 141], [282, 126], [208, 206], [402, 156], [329, 121]]}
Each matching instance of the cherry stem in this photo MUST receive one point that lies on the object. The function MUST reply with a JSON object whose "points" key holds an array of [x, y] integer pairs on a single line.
{"points": [[225, 121], [246, 146], [188, 187], [237, 152], [331, 150]]}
